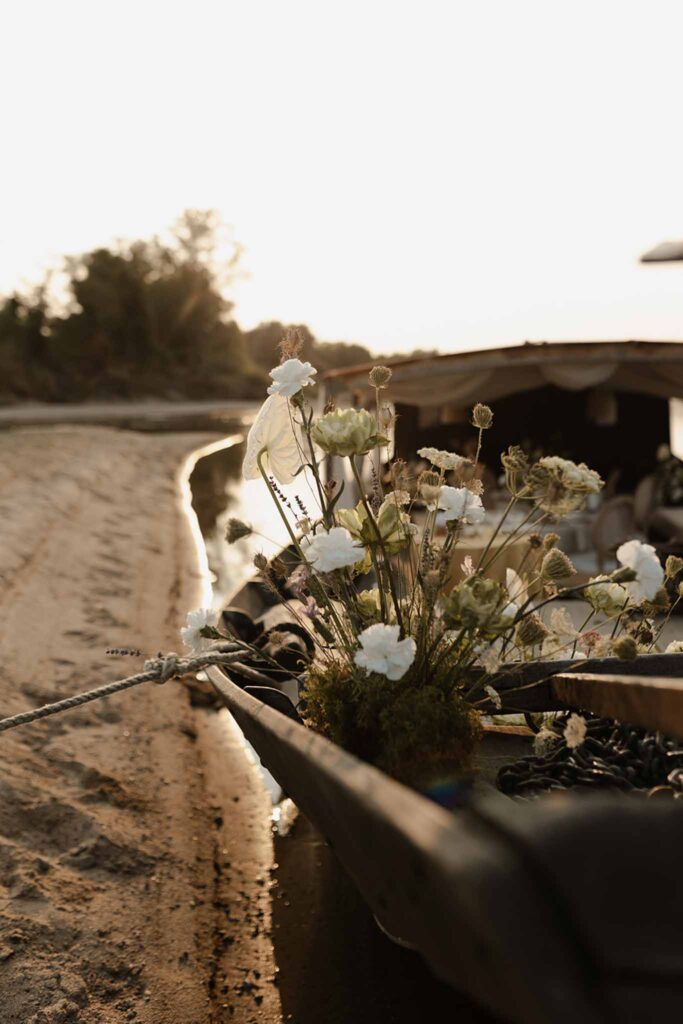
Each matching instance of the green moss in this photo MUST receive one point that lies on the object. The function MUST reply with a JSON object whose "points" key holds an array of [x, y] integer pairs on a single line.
{"points": [[411, 728]]}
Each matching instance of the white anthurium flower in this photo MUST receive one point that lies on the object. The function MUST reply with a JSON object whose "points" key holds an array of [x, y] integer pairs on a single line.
{"points": [[383, 652], [273, 429], [334, 549], [459, 503], [190, 634], [642, 558], [290, 377]]}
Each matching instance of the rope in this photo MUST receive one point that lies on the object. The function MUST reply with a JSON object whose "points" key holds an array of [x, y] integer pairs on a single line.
{"points": [[156, 670]]}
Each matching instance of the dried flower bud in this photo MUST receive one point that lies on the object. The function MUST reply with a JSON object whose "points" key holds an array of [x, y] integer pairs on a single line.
{"points": [[379, 376], [659, 603], [516, 466], [550, 540], [260, 561], [330, 406], [625, 647], [399, 475], [329, 488], [292, 343], [530, 631], [556, 566], [535, 540], [482, 416], [386, 417], [278, 568], [673, 567], [236, 530], [475, 486], [432, 580], [623, 575]]}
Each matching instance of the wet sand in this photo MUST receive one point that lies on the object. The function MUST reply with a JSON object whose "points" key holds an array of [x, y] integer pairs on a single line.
{"points": [[134, 840]]}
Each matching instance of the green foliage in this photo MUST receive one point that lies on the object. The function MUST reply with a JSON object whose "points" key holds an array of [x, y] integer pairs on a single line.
{"points": [[411, 728]]}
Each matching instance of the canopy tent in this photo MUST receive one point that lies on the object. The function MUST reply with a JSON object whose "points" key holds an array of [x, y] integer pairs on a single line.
{"points": [[463, 378]]}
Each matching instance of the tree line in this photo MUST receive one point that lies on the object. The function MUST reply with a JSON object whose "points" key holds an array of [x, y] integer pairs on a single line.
{"points": [[143, 319]]}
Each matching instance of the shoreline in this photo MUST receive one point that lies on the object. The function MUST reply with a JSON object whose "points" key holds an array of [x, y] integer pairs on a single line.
{"points": [[128, 893]]}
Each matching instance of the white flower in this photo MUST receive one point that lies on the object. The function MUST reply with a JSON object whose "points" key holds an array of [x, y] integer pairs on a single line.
{"points": [[382, 651], [290, 377], [459, 503], [494, 697], [273, 430], [642, 558], [675, 647], [443, 460], [196, 621], [575, 731], [333, 550]]}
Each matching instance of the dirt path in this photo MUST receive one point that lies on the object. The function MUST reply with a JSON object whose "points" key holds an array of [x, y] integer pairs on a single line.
{"points": [[126, 892]]}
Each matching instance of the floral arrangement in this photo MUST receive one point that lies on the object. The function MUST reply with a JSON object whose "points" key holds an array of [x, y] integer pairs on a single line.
{"points": [[409, 642]]}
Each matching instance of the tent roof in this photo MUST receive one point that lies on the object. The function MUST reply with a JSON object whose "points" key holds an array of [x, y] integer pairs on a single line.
{"points": [[461, 378]]}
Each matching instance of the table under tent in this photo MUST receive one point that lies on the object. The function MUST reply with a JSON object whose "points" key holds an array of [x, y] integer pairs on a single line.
{"points": [[618, 406]]}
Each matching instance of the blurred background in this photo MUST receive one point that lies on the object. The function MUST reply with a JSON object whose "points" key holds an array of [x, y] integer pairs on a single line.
{"points": [[440, 176]]}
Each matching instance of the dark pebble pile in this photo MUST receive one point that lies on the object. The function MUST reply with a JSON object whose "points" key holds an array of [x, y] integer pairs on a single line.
{"points": [[612, 756]]}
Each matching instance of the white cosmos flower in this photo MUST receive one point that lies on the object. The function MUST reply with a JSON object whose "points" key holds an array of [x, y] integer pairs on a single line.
{"points": [[459, 503], [381, 651], [196, 621], [443, 460], [332, 550], [290, 377], [642, 558], [273, 429]]}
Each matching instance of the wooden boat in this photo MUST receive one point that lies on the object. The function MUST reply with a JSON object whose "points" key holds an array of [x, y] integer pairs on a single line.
{"points": [[562, 910]]}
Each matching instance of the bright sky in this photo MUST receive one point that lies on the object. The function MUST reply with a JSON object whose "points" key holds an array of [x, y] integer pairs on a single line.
{"points": [[450, 174]]}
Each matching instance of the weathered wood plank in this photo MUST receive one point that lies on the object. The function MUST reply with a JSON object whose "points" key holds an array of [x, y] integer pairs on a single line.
{"points": [[529, 688], [650, 702]]}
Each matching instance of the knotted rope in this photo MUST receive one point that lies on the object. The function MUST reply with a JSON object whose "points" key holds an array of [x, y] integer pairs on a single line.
{"points": [[156, 670]]}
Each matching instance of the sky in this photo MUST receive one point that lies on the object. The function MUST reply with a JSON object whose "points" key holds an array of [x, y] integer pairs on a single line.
{"points": [[426, 174]]}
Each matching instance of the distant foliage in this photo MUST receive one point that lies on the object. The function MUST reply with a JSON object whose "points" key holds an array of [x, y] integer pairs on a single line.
{"points": [[148, 318], [263, 340]]}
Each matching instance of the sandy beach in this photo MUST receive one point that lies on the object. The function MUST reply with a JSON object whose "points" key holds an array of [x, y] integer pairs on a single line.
{"points": [[125, 893]]}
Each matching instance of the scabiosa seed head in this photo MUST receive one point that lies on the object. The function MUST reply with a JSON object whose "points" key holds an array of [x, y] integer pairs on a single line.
{"points": [[236, 530], [625, 647], [556, 566], [379, 376], [530, 631], [482, 416]]}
